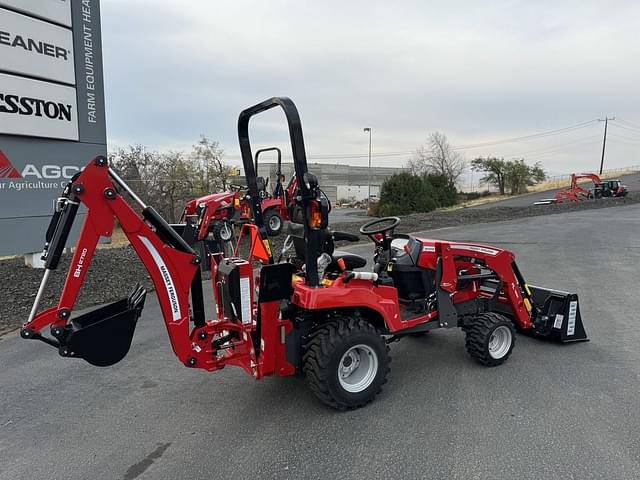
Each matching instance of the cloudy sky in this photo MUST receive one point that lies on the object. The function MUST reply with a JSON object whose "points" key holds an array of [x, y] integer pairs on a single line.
{"points": [[480, 72]]}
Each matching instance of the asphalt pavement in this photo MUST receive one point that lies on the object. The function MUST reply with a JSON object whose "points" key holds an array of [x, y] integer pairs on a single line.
{"points": [[550, 412], [632, 181], [345, 214]]}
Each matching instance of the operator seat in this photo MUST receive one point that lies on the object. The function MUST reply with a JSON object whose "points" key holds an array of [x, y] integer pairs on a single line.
{"points": [[412, 282], [351, 260]]}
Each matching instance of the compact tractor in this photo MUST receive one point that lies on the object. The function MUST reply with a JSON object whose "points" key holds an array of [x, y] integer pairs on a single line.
{"points": [[219, 212], [577, 193], [325, 318]]}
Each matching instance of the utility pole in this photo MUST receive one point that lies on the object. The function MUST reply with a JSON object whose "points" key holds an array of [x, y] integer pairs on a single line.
{"points": [[604, 139], [368, 129]]}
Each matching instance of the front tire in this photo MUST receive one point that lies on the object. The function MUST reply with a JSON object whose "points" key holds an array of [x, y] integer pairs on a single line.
{"points": [[273, 223], [222, 230], [490, 338], [346, 363]]}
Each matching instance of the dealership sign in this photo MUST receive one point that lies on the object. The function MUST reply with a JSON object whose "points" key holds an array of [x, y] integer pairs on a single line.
{"points": [[38, 109], [35, 48], [55, 11], [51, 109]]}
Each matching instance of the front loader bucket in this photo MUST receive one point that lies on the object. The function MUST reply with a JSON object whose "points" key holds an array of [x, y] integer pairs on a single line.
{"points": [[103, 336], [558, 315]]}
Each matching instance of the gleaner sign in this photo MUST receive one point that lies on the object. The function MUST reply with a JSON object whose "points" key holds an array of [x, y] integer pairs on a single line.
{"points": [[31, 45], [35, 48]]}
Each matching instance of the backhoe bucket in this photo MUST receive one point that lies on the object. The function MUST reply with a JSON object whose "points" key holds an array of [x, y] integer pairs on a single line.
{"points": [[103, 336], [558, 316]]}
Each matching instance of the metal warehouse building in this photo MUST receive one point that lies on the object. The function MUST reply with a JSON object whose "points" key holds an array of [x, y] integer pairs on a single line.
{"points": [[336, 180]]}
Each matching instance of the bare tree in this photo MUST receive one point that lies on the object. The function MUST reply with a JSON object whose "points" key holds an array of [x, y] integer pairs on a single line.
{"points": [[208, 154], [438, 157], [135, 164], [174, 183]]}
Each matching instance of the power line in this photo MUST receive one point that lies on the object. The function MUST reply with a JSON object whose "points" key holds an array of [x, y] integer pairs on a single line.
{"points": [[628, 129], [529, 137], [629, 123], [553, 148], [533, 136], [543, 154]]}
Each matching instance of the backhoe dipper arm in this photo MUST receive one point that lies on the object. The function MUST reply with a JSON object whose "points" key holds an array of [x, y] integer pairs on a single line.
{"points": [[170, 261]]}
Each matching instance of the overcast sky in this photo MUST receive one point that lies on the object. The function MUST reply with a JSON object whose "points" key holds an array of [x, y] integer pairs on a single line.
{"points": [[476, 71]]}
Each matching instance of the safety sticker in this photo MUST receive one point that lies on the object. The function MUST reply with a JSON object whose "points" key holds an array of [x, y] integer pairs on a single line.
{"points": [[558, 323], [245, 300], [477, 248], [571, 324]]}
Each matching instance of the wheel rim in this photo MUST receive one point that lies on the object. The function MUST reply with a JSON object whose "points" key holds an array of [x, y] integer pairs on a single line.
{"points": [[500, 342], [274, 223], [226, 233], [358, 368]]}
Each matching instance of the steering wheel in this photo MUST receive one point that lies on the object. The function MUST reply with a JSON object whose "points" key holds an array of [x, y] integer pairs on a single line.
{"points": [[379, 226]]}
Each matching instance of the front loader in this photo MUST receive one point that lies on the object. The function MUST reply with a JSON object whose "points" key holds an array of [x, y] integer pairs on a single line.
{"points": [[322, 317]]}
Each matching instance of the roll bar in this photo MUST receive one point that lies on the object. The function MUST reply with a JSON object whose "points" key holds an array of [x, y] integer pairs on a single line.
{"points": [[270, 149], [306, 189]]}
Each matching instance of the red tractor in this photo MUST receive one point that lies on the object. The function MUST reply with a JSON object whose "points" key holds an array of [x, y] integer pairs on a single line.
{"points": [[326, 320], [577, 193], [218, 212]]}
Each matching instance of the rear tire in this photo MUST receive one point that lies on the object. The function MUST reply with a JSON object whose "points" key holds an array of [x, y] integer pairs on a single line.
{"points": [[490, 338], [346, 363], [273, 223]]}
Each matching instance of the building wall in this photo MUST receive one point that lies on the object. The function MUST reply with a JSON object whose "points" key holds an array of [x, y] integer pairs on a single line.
{"points": [[344, 181]]}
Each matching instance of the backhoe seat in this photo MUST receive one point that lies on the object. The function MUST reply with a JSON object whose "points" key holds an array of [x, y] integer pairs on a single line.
{"points": [[351, 260]]}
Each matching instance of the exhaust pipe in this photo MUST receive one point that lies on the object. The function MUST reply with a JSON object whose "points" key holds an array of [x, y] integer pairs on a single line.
{"points": [[558, 315]]}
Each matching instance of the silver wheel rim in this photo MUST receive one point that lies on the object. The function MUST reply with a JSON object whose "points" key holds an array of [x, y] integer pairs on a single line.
{"points": [[225, 232], [274, 223], [500, 342], [357, 368]]}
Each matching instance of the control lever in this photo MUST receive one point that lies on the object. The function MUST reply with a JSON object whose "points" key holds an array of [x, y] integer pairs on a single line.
{"points": [[348, 276], [349, 237]]}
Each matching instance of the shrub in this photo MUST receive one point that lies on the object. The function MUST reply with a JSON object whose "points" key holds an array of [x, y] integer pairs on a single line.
{"points": [[405, 193]]}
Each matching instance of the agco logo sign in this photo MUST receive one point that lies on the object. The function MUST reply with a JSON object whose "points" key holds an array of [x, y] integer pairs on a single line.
{"points": [[57, 173]]}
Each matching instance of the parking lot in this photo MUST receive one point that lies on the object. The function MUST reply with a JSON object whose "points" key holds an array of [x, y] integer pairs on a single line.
{"points": [[551, 411]]}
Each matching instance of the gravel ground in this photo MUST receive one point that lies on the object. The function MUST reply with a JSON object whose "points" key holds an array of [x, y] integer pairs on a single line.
{"points": [[114, 271]]}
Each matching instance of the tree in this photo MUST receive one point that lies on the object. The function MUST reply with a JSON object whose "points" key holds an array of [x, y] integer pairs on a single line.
{"points": [[405, 193], [494, 169], [444, 192], [437, 157], [514, 175], [208, 156], [135, 165], [519, 176], [174, 186]]}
